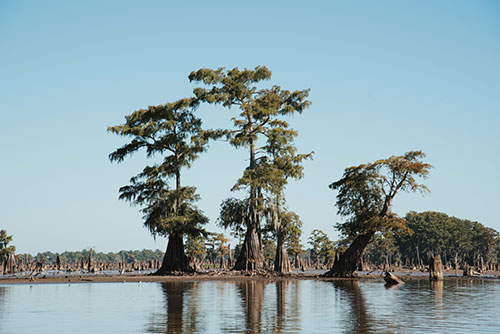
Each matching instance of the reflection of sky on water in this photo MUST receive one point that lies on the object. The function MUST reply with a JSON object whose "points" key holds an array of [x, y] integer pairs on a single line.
{"points": [[302, 306]]}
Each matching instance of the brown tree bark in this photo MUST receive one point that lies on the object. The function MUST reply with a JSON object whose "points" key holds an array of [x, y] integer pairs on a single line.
{"points": [[435, 268], [251, 256], [252, 294], [58, 262], [281, 261], [348, 262], [229, 256], [175, 259]]}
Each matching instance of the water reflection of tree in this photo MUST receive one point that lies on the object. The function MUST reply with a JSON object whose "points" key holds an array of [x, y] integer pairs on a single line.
{"points": [[437, 289], [177, 318], [281, 287], [252, 294], [358, 318], [287, 308], [3, 296]]}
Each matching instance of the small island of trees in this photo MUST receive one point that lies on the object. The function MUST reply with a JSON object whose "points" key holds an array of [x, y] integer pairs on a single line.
{"points": [[269, 232]]}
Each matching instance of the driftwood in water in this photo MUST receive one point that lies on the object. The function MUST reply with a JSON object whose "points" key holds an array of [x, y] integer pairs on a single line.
{"points": [[468, 271], [392, 279], [435, 268]]}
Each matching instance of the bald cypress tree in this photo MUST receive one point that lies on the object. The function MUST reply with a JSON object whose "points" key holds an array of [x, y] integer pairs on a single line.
{"points": [[5, 249], [174, 134], [365, 196], [281, 164], [260, 112]]}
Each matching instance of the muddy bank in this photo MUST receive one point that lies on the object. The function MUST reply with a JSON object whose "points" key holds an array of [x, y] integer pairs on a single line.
{"points": [[219, 276]]}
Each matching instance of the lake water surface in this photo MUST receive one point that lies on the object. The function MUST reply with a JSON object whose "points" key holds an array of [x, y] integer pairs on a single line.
{"points": [[289, 306]]}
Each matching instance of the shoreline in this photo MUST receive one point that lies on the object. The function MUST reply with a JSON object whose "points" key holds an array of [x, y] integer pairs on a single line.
{"points": [[219, 276]]}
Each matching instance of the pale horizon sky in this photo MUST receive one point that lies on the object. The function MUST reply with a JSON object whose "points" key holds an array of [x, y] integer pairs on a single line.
{"points": [[386, 77]]}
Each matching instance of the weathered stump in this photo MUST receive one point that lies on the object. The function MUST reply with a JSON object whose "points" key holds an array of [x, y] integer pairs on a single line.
{"points": [[58, 262], [435, 268], [90, 262], [10, 265], [392, 279]]}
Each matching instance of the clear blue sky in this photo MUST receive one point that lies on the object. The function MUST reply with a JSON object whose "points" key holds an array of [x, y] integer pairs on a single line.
{"points": [[386, 77]]}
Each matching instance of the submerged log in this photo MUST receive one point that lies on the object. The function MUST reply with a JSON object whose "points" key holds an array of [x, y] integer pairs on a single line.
{"points": [[470, 272], [435, 268], [392, 279]]}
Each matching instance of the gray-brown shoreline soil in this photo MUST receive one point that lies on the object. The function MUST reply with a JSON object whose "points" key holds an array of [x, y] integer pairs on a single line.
{"points": [[217, 276]]}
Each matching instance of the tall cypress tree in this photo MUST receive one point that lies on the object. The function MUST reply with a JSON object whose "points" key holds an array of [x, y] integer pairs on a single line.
{"points": [[173, 132], [260, 113], [365, 196], [281, 164]]}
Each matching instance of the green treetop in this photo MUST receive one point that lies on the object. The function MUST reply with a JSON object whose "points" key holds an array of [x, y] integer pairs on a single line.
{"points": [[365, 196], [261, 112], [5, 249], [173, 132]]}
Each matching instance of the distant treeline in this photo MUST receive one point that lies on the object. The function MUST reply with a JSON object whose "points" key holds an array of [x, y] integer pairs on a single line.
{"points": [[457, 241], [126, 256]]}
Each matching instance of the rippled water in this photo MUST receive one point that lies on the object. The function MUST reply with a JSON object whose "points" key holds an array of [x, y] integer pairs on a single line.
{"points": [[296, 306]]}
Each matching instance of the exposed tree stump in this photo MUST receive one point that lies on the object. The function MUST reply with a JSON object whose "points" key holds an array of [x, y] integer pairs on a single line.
{"points": [[58, 262], [435, 268]]}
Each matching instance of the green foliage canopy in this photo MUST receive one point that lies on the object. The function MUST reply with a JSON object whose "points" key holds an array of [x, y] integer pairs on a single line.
{"points": [[366, 192], [5, 249], [261, 112], [174, 132], [438, 233], [322, 247]]}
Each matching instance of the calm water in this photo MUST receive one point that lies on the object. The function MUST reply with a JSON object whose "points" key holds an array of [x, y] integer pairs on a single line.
{"points": [[252, 307]]}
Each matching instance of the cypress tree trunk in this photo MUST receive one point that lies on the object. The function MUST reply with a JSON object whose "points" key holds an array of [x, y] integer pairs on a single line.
{"points": [[175, 259], [252, 294], [281, 261], [348, 263], [58, 262], [251, 256], [222, 260], [229, 256]]}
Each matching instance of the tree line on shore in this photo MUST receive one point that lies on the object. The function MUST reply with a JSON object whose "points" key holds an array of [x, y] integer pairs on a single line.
{"points": [[268, 230], [461, 243]]}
